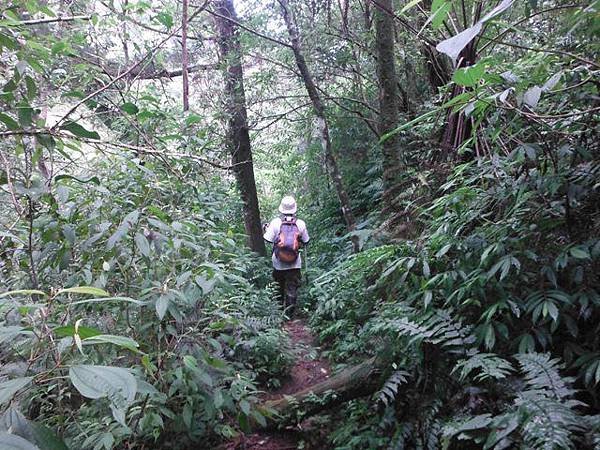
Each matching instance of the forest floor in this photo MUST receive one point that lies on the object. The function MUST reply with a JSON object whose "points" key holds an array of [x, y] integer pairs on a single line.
{"points": [[308, 370]]}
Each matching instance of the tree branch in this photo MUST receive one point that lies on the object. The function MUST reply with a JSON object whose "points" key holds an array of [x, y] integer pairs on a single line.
{"points": [[52, 20]]}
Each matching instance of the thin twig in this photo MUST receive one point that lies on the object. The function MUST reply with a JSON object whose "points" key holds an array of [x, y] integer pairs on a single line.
{"points": [[51, 20]]}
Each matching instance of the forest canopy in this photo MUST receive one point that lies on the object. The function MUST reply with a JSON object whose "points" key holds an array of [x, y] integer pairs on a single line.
{"points": [[443, 153]]}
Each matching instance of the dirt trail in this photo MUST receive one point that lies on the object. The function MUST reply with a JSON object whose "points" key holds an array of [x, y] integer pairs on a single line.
{"points": [[308, 370]]}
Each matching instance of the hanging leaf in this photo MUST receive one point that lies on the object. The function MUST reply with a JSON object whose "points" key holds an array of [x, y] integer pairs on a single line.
{"points": [[207, 285], [9, 388], [162, 303], [31, 87], [79, 130], [532, 96], [454, 45], [115, 383], [552, 81], [142, 244]]}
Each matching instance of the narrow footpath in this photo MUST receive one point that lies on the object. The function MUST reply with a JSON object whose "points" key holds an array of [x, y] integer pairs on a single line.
{"points": [[308, 370]]}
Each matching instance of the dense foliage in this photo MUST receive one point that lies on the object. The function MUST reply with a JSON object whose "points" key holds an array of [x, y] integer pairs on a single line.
{"points": [[131, 313]]}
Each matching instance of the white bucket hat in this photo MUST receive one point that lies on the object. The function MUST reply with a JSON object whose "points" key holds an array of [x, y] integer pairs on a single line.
{"points": [[288, 205]]}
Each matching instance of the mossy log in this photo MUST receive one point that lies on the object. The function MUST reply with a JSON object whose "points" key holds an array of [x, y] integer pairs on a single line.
{"points": [[352, 382]]}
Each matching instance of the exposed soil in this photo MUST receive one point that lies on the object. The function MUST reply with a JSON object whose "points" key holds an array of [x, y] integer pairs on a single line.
{"points": [[308, 370]]}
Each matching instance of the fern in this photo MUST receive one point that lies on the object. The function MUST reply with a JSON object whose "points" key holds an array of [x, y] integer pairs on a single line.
{"points": [[549, 418], [541, 375], [435, 328], [387, 394], [490, 366]]}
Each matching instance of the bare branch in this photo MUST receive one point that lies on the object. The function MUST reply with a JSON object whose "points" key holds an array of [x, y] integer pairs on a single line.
{"points": [[51, 20]]}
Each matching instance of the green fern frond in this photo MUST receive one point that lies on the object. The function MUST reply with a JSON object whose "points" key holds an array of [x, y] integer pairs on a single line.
{"points": [[549, 424], [541, 374], [489, 364], [387, 394]]}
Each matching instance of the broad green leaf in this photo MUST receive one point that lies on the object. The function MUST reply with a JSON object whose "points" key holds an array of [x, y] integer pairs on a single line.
{"points": [[207, 285], [31, 87], [468, 76], [165, 18], [192, 119], [84, 290], [14, 442], [115, 383], [25, 114], [440, 10], [79, 130], [9, 388], [23, 292], [45, 438], [8, 42], [10, 123], [162, 303], [142, 244], [579, 253], [69, 330], [218, 399], [532, 97], [10, 332], [130, 108], [12, 420], [121, 341]]}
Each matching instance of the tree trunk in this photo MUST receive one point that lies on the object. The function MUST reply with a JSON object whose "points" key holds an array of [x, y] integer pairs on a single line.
{"points": [[353, 382], [322, 125], [388, 92], [238, 137], [184, 56]]}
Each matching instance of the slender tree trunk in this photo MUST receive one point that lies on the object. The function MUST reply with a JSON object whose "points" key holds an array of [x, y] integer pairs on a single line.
{"points": [[184, 56], [322, 125], [388, 92], [238, 137]]}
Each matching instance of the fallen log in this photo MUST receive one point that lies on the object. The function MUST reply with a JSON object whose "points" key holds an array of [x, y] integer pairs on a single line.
{"points": [[351, 383]]}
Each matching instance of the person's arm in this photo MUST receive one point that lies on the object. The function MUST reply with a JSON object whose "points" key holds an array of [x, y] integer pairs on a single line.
{"points": [[304, 237], [269, 232]]}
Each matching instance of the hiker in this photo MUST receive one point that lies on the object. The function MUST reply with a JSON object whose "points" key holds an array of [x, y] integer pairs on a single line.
{"points": [[287, 233]]}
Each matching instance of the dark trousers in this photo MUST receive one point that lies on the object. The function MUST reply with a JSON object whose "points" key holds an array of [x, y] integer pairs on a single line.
{"points": [[289, 282]]}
